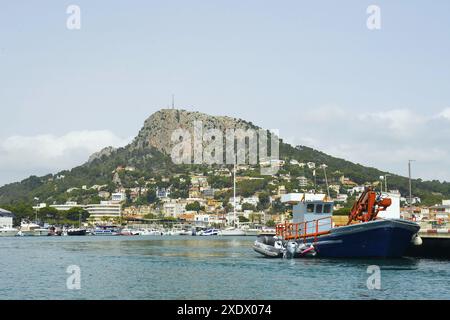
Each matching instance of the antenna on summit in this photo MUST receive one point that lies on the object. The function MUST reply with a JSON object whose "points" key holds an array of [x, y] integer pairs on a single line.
{"points": [[173, 101]]}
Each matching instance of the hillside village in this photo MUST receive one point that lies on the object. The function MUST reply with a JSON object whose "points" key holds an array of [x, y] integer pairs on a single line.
{"points": [[206, 197], [140, 183]]}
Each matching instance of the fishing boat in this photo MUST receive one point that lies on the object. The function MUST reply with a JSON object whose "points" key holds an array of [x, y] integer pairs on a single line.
{"points": [[312, 233]]}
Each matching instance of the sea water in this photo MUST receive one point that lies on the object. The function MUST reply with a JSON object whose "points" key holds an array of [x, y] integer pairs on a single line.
{"points": [[187, 267]]}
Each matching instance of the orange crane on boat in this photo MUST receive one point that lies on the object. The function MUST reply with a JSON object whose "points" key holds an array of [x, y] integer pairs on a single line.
{"points": [[368, 205]]}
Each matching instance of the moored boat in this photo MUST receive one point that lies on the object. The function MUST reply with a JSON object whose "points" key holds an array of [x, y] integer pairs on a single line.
{"points": [[366, 235], [31, 229], [210, 232], [231, 231], [149, 232], [76, 232], [8, 232], [106, 231]]}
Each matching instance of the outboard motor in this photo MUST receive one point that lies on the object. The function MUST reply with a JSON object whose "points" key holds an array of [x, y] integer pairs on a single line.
{"points": [[291, 248]]}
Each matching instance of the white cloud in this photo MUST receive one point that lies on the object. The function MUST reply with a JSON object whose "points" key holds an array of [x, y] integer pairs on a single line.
{"points": [[399, 121], [385, 139], [445, 114], [46, 153]]}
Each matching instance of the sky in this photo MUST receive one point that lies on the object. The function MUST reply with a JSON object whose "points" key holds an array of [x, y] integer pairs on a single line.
{"points": [[311, 69]]}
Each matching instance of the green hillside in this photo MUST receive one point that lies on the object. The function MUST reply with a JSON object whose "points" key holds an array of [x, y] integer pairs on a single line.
{"points": [[152, 162]]}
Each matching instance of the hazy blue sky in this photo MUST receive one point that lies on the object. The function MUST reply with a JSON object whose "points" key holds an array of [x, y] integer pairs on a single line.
{"points": [[311, 69]]}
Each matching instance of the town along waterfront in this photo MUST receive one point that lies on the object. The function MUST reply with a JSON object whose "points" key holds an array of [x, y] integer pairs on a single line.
{"points": [[186, 267]]}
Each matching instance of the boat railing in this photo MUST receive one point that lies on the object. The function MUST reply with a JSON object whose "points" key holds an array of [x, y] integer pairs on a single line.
{"points": [[304, 230]]}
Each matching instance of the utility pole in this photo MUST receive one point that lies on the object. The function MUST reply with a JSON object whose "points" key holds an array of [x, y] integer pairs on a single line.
{"points": [[36, 211], [385, 182]]}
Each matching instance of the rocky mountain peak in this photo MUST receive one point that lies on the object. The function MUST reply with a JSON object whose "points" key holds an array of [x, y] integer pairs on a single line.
{"points": [[158, 128]]}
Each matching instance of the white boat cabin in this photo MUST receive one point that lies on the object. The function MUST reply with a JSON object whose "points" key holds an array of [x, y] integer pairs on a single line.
{"points": [[309, 207]]}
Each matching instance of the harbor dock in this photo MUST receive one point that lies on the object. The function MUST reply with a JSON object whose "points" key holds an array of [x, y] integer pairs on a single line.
{"points": [[435, 243]]}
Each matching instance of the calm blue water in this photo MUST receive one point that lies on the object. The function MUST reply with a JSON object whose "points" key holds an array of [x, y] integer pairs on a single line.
{"points": [[200, 268]]}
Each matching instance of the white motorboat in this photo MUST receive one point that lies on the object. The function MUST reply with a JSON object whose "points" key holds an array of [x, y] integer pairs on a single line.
{"points": [[210, 232], [31, 229], [106, 231], [129, 232], [231, 231], [150, 232], [8, 232]]}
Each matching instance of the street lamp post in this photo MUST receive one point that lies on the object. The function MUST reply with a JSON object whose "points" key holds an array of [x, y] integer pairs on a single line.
{"points": [[36, 211]]}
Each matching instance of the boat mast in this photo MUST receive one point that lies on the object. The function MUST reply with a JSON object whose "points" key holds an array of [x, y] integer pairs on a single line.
{"points": [[234, 194]]}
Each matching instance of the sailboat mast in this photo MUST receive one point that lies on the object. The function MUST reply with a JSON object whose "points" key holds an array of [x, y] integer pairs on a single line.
{"points": [[234, 193]]}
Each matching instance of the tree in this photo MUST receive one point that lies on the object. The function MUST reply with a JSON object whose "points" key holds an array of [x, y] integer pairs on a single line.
{"points": [[151, 196], [248, 188], [49, 213], [20, 211], [243, 219], [73, 214], [194, 206], [248, 206], [278, 206], [255, 217], [270, 223], [150, 216], [342, 212], [128, 200], [264, 200]]}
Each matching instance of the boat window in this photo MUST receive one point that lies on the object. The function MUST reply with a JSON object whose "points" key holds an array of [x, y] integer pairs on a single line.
{"points": [[310, 208], [319, 208], [327, 208]]}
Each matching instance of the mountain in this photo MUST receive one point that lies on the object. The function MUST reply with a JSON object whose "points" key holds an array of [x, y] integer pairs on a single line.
{"points": [[148, 156]]}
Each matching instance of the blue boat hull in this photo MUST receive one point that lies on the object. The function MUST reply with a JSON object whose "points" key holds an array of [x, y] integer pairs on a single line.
{"points": [[375, 239], [380, 238]]}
